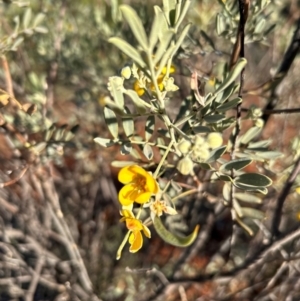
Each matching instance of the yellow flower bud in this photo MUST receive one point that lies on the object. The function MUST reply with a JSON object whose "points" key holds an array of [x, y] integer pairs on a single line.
{"points": [[184, 146], [185, 166], [214, 140], [126, 72]]}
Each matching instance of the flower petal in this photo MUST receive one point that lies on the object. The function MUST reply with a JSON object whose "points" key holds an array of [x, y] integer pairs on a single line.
{"points": [[146, 231], [143, 197], [134, 224], [151, 184], [125, 195], [126, 214], [125, 175], [137, 241]]}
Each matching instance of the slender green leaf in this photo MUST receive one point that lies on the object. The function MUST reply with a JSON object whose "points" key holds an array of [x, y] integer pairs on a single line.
{"points": [[126, 148], [201, 129], [136, 25], [111, 121], [262, 143], [157, 25], [140, 105], [27, 18], [115, 86], [172, 50], [216, 153], [214, 118], [248, 198], [250, 134], [252, 213], [164, 41], [38, 19], [253, 179], [128, 50], [128, 124], [236, 164], [172, 239], [149, 127], [120, 164], [148, 151], [269, 155], [229, 105], [233, 74], [104, 141]]}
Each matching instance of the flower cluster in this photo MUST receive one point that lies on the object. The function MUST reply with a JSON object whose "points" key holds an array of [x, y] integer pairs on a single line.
{"points": [[197, 150], [139, 187], [142, 83]]}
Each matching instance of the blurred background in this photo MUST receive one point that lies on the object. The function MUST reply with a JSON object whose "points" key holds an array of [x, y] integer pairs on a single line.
{"points": [[59, 213]]}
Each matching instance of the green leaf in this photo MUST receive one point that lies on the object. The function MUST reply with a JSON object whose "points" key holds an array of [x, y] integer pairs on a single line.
{"points": [[248, 198], [227, 191], [111, 121], [236, 164], [128, 50], [149, 127], [252, 213], [201, 129], [115, 87], [157, 25], [254, 180], [135, 24], [233, 74], [17, 42], [205, 166], [221, 24], [214, 118], [113, 106], [172, 239], [229, 105], [147, 151], [225, 178], [104, 141], [126, 148], [269, 155], [172, 50], [41, 29], [140, 105], [38, 19], [258, 144], [27, 18], [120, 164], [216, 153], [260, 26], [250, 134], [164, 42], [128, 124]]}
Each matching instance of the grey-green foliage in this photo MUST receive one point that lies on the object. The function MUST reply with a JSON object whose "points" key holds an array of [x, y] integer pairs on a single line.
{"points": [[197, 121], [25, 23], [257, 26]]}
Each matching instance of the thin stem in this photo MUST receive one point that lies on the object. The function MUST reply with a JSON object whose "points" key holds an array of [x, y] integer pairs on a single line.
{"points": [[184, 194], [122, 245], [163, 159]]}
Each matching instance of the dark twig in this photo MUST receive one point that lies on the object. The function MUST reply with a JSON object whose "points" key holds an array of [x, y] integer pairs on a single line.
{"points": [[287, 61], [273, 112], [282, 197], [8, 80], [35, 278]]}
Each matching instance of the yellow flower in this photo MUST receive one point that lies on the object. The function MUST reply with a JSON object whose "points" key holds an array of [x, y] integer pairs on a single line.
{"points": [[139, 185], [158, 207], [135, 226], [137, 87]]}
